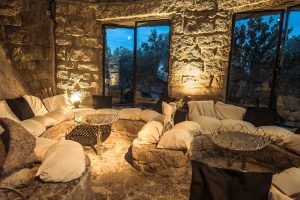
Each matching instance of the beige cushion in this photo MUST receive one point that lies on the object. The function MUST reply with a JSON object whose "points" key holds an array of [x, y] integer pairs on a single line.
{"points": [[46, 121], [190, 126], [60, 115], [130, 113], [234, 124], [107, 111], [151, 115], [292, 143], [33, 127], [168, 114], [36, 105], [57, 102], [42, 146], [150, 133], [277, 134], [288, 181], [64, 161], [176, 139], [227, 111], [275, 194], [5, 112], [201, 108], [208, 125]]}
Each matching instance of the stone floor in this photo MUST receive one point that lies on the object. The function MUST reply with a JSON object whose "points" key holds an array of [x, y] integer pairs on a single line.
{"points": [[113, 177]]}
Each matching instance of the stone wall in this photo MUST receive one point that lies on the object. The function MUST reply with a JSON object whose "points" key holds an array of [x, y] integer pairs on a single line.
{"points": [[24, 33], [10, 85], [200, 41], [78, 49]]}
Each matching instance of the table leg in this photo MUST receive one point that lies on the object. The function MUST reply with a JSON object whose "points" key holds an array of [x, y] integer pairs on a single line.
{"points": [[99, 137]]}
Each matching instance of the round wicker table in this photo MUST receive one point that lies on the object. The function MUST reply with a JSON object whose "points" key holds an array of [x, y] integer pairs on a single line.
{"points": [[237, 143], [92, 129]]}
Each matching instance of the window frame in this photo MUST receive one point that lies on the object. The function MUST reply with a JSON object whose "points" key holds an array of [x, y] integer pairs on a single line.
{"points": [[276, 64], [104, 26], [166, 22], [116, 25]]}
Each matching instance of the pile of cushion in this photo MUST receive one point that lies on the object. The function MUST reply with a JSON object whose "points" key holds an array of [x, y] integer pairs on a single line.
{"points": [[20, 150]]}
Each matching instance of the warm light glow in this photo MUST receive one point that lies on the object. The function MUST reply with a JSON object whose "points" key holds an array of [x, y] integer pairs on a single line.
{"points": [[75, 97]]}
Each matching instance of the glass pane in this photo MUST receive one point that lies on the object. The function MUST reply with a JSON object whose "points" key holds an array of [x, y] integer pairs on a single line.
{"points": [[152, 61], [253, 57], [288, 90], [119, 73]]}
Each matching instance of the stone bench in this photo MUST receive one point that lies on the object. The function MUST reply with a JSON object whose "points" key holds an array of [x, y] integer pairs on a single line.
{"points": [[148, 158]]}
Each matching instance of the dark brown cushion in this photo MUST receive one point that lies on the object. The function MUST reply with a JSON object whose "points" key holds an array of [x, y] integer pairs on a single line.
{"points": [[261, 116], [211, 183], [20, 108], [102, 101], [19, 144]]}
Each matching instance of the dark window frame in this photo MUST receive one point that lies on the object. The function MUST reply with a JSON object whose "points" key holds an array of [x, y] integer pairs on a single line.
{"points": [[116, 25], [276, 65]]}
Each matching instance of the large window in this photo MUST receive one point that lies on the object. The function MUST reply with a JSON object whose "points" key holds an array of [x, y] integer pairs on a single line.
{"points": [[136, 62], [264, 68], [119, 71], [253, 57], [289, 77]]}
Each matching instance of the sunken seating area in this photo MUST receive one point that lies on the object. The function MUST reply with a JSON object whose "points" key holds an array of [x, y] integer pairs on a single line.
{"points": [[141, 99]]}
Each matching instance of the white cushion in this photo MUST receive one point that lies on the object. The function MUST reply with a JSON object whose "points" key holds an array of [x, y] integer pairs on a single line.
{"points": [[292, 143], [230, 124], [41, 147], [150, 133], [64, 161], [6, 112], [46, 121], [208, 125], [107, 111], [168, 114], [151, 115], [36, 105], [190, 126], [130, 113], [288, 181], [275, 194], [60, 115], [277, 134], [57, 102], [176, 139], [201, 108], [227, 111], [33, 127]]}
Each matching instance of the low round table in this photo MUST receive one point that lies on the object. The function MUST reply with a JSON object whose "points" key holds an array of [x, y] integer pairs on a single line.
{"points": [[92, 129], [236, 143]]}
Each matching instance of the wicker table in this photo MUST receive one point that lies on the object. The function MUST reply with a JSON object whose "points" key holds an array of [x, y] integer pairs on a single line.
{"points": [[237, 143], [92, 129]]}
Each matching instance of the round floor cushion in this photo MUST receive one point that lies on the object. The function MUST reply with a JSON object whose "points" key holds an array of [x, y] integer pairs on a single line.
{"points": [[148, 158]]}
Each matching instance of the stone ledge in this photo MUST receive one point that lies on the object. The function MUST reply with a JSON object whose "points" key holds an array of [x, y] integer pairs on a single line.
{"points": [[147, 158]]}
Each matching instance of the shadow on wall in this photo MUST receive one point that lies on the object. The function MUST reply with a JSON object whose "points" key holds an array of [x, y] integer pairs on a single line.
{"points": [[10, 84]]}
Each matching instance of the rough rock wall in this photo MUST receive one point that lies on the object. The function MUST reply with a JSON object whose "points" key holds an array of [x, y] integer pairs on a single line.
{"points": [[78, 49], [200, 41], [24, 33], [10, 84]]}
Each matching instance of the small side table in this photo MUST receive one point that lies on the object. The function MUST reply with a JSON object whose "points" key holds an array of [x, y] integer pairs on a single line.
{"points": [[240, 143], [92, 129]]}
